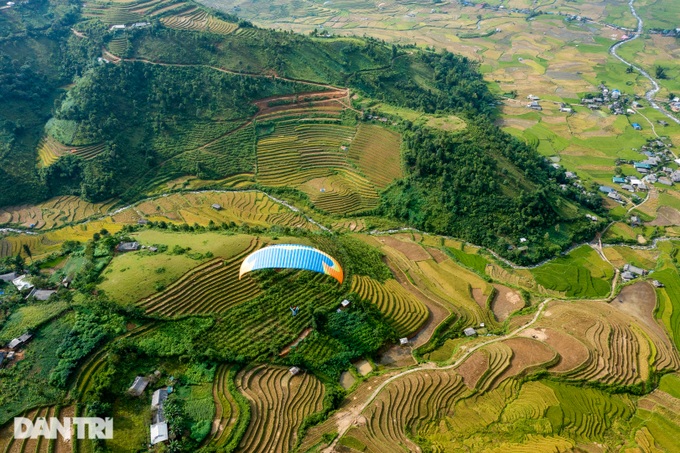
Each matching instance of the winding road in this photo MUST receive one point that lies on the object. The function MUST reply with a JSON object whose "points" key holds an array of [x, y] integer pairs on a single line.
{"points": [[655, 86], [348, 418]]}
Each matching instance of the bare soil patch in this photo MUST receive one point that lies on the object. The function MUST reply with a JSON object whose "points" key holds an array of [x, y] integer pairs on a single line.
{"points": [[363, 367], [411, 250], [437, 254], [666, 216], [479, 297], [639, 300], [397, 356], [506, 301], [473, 368], [527, 353], [347, 380], [572, 352]]}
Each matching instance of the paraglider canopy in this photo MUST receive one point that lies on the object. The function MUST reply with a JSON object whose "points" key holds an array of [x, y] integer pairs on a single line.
{"points": [[292, 256]]}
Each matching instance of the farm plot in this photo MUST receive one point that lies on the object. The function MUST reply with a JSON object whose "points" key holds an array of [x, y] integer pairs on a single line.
{"points": [[377, 152], [621, 351], [406, 313], [213, 287], [199, 20], [292, 153], [279, 402], [405, 408], [263, 326], [49, 150], [52, 213], [313, 157], [582, 273], [252, 208], [227, 411]]}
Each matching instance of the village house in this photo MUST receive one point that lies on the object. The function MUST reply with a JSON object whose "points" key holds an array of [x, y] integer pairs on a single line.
{"points": [[21, 283], [20, 341], [470, 332], [639, 272], [41, 294], [138, 386], [8, 277], [606, 189], [128, 247], [618, 180]]}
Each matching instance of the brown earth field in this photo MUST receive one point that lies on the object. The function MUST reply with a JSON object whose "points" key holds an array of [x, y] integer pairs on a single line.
{"points": [[506, 301]]}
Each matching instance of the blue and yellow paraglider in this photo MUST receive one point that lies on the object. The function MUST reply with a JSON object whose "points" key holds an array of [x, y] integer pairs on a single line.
{"points": [[292, 256]]}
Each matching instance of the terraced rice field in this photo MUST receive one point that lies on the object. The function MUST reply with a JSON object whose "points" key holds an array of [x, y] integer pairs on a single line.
{"points": [[213, 287], [313, 157], [294, 153], [377, 152], [403, 409], [52, 213], [406, 313], [49, 150], [227, 411], [199, 20], [278, 403], [117, 46], [621, 351], [10, 445], [257, 327], [252, 208]]}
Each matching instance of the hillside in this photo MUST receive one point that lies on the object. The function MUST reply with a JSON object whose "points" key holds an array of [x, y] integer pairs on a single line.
{"points": [[166, 102]]}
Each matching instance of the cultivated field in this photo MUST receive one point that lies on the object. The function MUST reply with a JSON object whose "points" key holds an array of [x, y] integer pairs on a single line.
{"points": [[278, 404], [49, 150], [406, 313]]}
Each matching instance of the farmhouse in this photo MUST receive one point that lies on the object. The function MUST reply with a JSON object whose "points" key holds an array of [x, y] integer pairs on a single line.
{"points": [[606, 189], [657, 283], [665, 181], [470, 332], [627, 276], [159, 433], [345, 303], [675, 176], [8, 277], [217, 207], [15, 343], [618, 180], [639, 272], [117, 27], [295, 371], [158, 398], [645, 165], [637, 126], [614, 196], [41, 294], [138, 386], [22, 283], [627, 187], [128, 246], [403, 341], [570, 175]]}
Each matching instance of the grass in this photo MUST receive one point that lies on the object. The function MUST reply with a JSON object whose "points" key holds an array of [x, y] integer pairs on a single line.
{"points": [[136, 275], [27, 318], [132, 416], [670, 383], [470, 260], [18, 393], [582, 273]]}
